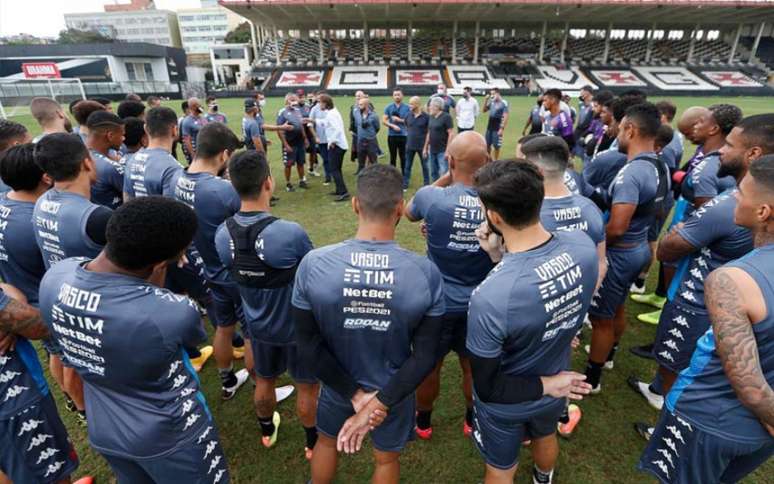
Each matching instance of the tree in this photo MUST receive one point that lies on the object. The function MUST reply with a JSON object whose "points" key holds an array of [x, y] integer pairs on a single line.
{"points": [[76, 36], [240, 35]]}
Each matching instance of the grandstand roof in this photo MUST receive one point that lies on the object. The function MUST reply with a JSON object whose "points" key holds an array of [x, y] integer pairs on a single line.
{"points": [[291, 14]]}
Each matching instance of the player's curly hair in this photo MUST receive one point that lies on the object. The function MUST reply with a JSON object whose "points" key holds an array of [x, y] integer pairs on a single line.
{"points": [[9, 130], [726, 116], [149, 230]]}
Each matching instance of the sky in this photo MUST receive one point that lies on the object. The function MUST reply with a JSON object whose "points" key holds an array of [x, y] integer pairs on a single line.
{"points": [[45, 18]]}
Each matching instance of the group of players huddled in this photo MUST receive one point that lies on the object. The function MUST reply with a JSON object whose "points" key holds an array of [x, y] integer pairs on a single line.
{"points": [[110, 249]]}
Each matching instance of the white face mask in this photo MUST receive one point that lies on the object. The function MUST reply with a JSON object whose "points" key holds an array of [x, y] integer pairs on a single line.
{"points": [[441, 92], [262, 102]]}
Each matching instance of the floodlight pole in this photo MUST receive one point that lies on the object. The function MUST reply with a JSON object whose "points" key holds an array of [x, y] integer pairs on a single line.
{"points": [[475, 43], [276, 44], [692, 44], [410, 35], [365, 40], [564, 41], [253, 40], [755, 44], [606, 52], [649, 48], [543, 41], [320, 42], [735, 44]]}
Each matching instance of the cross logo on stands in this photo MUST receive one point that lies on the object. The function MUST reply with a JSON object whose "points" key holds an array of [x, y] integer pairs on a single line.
{"points": [[300, 78], [730, 79], [618, 78], [418, 77]]}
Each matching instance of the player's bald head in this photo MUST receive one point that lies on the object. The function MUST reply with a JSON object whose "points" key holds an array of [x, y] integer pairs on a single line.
{"points": [[467, 151], [689, 117]]}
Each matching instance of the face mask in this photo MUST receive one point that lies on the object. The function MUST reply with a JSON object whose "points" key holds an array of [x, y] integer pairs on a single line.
{"points": [[441, 92], [465, 95], [262, 102], [492, 227]]}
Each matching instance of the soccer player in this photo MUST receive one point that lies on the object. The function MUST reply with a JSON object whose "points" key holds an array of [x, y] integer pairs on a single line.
{"points": [[367, 126], [34, 444], [521, 322], [718, 424], [11, 134], [452, 212], [190, 127], [710, 239], [67, 223], [394, 118], [440, 131], [148, 419], [373, 338], [416, 124], [586, 114], [81, 112], [467, 111], [213, 199], [293, 141], [636, 196], [497, 107], [49, 116], [557, 122], [262, 253], [135, 138], [534, 122], [106, 132], [154, 170], [131, 109], [213, 113], [253, 134], [153, 102]]}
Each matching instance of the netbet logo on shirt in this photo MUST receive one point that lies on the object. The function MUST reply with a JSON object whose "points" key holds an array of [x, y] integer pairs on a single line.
{"points": [[370, 269]]}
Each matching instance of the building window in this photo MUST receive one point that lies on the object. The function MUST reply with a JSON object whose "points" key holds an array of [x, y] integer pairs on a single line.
{"points": [[139, 71]]}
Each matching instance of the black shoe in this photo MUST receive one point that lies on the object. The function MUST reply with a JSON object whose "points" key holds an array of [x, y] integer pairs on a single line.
{"points": [[274, 199], [643, 430], [644, 351], [302, 184], [289, 188], [342, 198], [334, 193]]}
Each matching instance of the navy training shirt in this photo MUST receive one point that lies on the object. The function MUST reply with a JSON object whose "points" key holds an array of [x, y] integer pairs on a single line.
{"points": [[402, 111], [214, 200], [636, 184], [497, 110], [452, 215], [252, 127], [529, 308], [573, 212], [602, 169], [146, 409], [108, 191], [703, 394], [704, 180], [576, 184], [711, 229], [280, 245], [190, 126], [294, 117], [151, 171], [367, 298], [21, 263], [417, 131]]}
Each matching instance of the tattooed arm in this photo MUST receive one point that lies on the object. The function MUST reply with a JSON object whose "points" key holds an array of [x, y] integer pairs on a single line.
{"points": [[735, 303], [20, 318]]}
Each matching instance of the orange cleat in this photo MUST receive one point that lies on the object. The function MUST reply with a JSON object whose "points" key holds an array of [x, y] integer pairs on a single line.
{"points": [[566, 429]]}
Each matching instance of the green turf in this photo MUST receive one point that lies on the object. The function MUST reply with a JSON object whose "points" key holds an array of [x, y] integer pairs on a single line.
{"points": [[605, 448]]}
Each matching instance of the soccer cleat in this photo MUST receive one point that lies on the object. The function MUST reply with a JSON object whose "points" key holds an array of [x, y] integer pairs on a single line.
{"points": [[650, 318], [69, 403], [539, 477], [314, 173], [644, 351], [644, 430], [650, 299], [654, 400], [289, 188], [303, 184], [342, 198], [241, 376], [424, 434], [238, 352], [283, 392], [635, 289], [80, 417], [269, 440], [467, 430], [609, 365], [566, 429], [308, 453], [597, 389], [204, 354]]}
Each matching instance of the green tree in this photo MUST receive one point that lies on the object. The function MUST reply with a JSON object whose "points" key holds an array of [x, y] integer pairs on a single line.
{"points": [[240, 35], [76, 36]]}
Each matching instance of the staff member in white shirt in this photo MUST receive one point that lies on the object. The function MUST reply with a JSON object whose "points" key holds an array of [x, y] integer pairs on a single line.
{"points": [[467, 111], [333, 126]]}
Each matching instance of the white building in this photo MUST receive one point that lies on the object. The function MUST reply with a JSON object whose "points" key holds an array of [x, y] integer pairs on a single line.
{"points": [[201, 28], [152, 26]]}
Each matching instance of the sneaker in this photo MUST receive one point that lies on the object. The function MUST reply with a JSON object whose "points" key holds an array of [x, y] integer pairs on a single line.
{"points": [[241, 376], [542, 478], [644, 351], [238, 352], [654, 400], [566, 429], [609, 365], [80, 417], [69, 403], [643, 430], [204, 354], [650, 318], [597, 389], [308, 453], [283, 392], [635, 289], [342, 198], [303, 184], [314, 173], [289, 188], [467, 430], [269, 440], [650, 299], [424, 434]]}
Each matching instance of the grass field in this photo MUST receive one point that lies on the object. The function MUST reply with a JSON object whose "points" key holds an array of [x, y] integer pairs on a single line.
{"points": [[604, 449]]}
